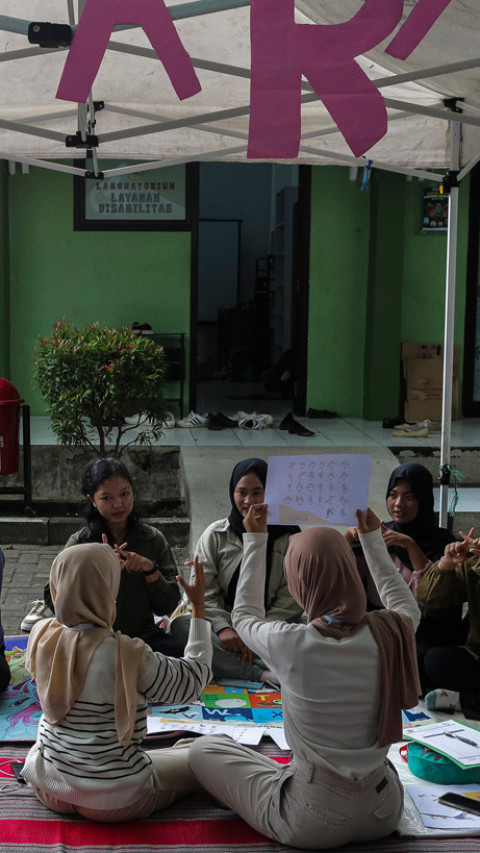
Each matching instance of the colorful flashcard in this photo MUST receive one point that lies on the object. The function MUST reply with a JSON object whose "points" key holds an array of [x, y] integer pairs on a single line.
{"points": [[174, 713], [317, 489], [228, 715], [225, 706], [268, 716], [265, 700]]}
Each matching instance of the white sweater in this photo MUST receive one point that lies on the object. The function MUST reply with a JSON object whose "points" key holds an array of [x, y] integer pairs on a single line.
{"points": [[330, 688], [81, 760]]}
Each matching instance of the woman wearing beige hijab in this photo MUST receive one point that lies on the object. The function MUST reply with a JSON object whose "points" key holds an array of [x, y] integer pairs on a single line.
{"points": [[345, 677], [94, 686]]}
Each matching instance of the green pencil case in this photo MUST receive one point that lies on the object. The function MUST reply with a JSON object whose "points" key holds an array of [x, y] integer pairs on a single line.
{"points": [[430, 765]]}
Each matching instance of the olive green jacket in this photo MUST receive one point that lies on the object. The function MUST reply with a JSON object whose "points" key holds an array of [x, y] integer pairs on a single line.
{"points": [[439, 590]]}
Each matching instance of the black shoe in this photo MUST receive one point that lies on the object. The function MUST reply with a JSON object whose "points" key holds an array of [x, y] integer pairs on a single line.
{"points": [[225, 422], [287, 421], [321, 413], [293, 426], [390, 423], [212, 422], [297, 428]]}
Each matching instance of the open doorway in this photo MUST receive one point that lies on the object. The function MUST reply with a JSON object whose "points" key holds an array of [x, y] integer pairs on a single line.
{"points": [[243, 357]]}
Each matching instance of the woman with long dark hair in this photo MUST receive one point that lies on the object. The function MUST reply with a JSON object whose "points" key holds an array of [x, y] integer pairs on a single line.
{"points": [[148, 585], [414, 541]]}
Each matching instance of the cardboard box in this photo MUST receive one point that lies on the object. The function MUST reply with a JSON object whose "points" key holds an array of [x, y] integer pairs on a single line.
{"points": [[422, 365], [420, 410], [418, 349]]}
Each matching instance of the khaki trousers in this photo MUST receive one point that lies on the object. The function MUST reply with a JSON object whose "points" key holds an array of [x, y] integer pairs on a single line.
{"points": [[302, 806], [172, 779]]}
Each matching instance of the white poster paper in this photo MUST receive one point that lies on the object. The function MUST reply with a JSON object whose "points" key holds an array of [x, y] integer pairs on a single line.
{"points": [[317, 489]]}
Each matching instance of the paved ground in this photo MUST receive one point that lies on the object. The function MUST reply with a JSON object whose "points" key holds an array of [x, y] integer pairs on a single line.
{"points": [[26, 572]]}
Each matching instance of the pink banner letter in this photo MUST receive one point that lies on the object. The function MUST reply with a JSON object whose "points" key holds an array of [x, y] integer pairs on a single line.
{"points": [[420, 20], [91, 40], [282, 51]]}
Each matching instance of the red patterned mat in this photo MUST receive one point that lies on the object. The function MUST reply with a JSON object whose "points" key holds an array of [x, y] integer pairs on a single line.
{"points": [[193, 825]]}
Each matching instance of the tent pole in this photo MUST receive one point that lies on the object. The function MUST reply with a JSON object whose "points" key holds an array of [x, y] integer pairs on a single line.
{"points": [[449, 331]]}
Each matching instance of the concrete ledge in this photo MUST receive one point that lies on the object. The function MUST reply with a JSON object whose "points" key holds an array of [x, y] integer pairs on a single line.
{"points": [[466, 459], [55, 531], [57, 473], [24, 531]]}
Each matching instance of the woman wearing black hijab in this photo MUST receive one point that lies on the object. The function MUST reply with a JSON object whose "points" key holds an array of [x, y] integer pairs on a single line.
{"points": [[414, 541], [220, 550]]}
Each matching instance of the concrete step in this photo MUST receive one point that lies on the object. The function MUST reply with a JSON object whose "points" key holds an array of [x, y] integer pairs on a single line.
{"points": [[57, 529]]}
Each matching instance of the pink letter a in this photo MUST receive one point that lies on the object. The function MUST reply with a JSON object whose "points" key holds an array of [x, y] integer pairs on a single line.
{"points": [[91, 40]]}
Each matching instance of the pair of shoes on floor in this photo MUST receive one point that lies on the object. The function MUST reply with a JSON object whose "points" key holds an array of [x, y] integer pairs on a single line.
{"points": [[321, 413], [193, 419], [417, 430], [39, 610], [253, 420], [142, 328], [294, 427], [220, 421]]}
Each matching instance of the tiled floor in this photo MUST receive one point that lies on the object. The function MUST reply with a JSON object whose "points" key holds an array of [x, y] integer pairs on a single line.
{"points": [[328, 433], [335, 432]]}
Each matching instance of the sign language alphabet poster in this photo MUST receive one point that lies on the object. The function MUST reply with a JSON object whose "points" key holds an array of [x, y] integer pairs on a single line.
{"points": [[319, 489]]}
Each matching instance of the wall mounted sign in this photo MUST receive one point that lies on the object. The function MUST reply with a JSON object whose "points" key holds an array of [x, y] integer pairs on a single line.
{"points": [[435, 211], [156, 199]]}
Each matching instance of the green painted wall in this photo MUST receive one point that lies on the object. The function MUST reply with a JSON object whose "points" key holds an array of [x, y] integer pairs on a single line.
{"points": [[383, 322], [57, 272], [375, 280], [339, 247]]}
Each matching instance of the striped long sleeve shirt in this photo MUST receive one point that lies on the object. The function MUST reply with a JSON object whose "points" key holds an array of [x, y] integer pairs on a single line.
{"points": [[81, 760]]}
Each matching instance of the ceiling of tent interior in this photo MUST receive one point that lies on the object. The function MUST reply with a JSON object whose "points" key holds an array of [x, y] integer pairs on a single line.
{"points": [[138, 97]]}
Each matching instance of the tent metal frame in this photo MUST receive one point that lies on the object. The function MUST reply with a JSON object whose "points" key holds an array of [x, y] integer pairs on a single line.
{"points": [[204, 121]]}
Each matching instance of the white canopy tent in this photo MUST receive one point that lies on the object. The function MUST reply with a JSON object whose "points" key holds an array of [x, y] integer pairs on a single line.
{"points": [[133, 113]]}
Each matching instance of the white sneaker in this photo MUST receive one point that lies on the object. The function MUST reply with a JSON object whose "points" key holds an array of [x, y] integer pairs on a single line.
{"points": [[193, 420], [411, 431], [168, 421], [39, 611], [254, 421]]}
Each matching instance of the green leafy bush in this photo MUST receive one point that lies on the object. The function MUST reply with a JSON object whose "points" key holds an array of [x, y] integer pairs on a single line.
{"points": [[92, 380]]}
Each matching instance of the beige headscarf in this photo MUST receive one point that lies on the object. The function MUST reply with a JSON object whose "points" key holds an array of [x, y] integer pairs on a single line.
{"points": [[84, 581], [322, 577]]}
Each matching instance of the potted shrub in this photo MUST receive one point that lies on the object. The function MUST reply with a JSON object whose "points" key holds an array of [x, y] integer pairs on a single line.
{"points": [[101, 386]]}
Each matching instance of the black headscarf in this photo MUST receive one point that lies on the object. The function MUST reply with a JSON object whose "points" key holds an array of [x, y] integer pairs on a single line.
{"points": [[235, 519], [423, 529]]}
